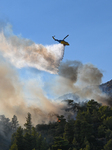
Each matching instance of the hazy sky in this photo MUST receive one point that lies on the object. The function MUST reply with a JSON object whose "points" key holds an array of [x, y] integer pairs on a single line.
{"points": [[88, 23]]}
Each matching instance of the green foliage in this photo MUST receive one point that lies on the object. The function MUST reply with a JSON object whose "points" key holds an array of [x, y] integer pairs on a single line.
{"points": [[108, 134], [108, 122], [60, 143], [87, 144], [14, 123], [27, 141], [74, 149], [43, 145], [85, 116], [5, 125], [69, 131], [14, 147], [108, 146], [19, 139], [28, 123], [101, 131], [92, 130], [93, 105], [34, 137], [82, 129], [39, 142], [104, 112], [60, 126], [75, 143]]}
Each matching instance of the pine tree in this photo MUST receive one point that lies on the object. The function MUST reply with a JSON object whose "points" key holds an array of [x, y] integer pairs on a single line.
{"points": [[69, 131], [6, 126], [39, 142], [28, 124], [14, 123], [43, 145], [34, 138], [60, 143], [28, 142], [19, 139], [60, 128], [87, 144], [75, 143]]}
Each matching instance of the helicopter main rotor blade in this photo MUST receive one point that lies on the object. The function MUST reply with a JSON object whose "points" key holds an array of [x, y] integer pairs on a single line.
{"points": [[65, 37]]}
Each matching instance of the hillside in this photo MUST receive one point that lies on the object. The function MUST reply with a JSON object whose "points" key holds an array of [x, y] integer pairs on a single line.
{"points": [[105, 88]]}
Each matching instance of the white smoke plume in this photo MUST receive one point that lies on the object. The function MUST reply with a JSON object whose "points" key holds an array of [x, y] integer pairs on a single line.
{"points": [[13, 102], [24, 52], [21, 53]]}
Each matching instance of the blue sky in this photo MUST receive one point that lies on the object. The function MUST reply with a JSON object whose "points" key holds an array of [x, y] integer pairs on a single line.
{"points": [[88, 23]]}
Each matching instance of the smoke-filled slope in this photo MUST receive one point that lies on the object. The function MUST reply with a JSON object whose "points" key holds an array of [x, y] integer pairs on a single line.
{"points": [[106, 88], [82, 80]]}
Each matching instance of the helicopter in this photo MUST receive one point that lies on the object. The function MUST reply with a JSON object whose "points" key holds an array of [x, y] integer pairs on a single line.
{"points": [[62, 41]]}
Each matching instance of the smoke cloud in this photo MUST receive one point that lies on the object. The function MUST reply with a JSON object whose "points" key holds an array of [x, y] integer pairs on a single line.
{"points": [[24, 52], [21, 53], [73, 76], [83, 80], [12, 97]]}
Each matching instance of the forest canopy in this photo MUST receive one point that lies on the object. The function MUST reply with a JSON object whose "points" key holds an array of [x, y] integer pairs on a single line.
{"points": [[91, 129]]}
